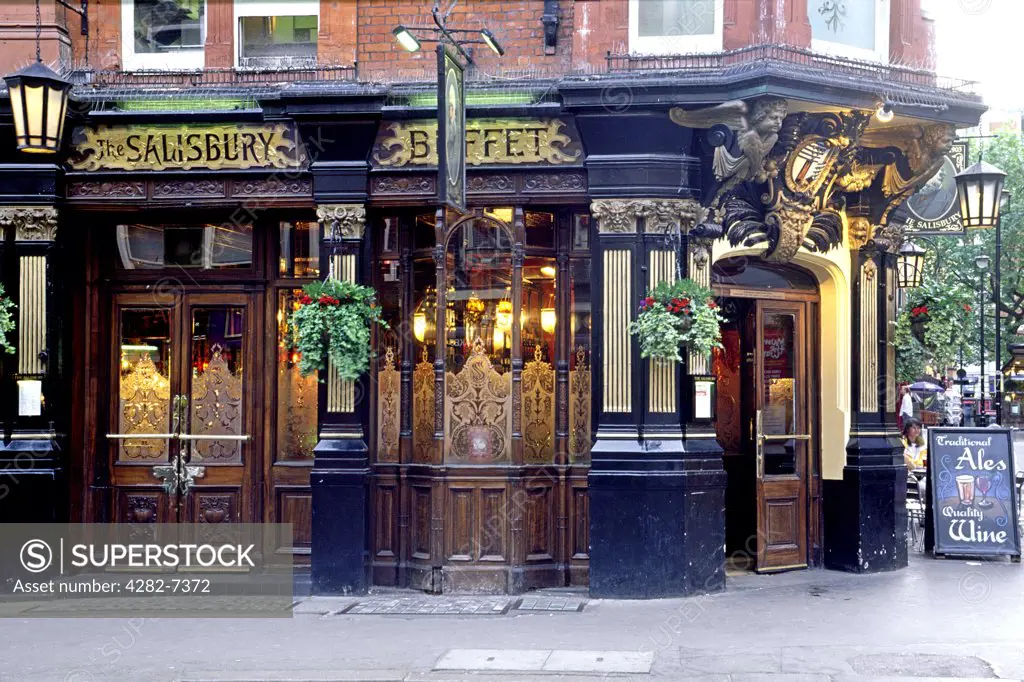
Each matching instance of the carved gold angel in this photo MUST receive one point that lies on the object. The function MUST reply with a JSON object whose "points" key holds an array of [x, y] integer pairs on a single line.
{"points": [[757, 130]]}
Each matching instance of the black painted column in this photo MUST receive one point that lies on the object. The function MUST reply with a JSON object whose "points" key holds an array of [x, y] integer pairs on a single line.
{"points": [[657, 523], [340, 475], [34, 394], [865, 512]]}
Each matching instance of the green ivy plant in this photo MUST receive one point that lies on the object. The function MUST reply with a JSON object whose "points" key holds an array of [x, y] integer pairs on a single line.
{"points": [[676, 315], [6, 322], [333, 322], [944, 310]]}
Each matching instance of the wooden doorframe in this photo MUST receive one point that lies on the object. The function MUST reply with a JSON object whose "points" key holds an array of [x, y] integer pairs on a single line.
{"points": [[810, 302]]}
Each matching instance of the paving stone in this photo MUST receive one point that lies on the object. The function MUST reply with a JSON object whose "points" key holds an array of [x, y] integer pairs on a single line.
{"points": [[493, 659], [921, 665], [430, 606], [550, 604], [565, 661]]}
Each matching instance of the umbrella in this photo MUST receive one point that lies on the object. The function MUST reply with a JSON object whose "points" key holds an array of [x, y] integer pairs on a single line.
{"points": [[926, 387]]}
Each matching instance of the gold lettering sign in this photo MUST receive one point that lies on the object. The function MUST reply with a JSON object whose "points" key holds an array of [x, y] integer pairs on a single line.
{"points": [[181, 147], [488, 141]]}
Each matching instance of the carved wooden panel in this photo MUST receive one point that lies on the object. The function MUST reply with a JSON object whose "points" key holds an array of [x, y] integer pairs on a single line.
{"points": [[127, 189], [187, 189], [385, 519], [539, 523], [389, 395], [460, 524], [495, 515], [422, 508], [215, 507], [296, 507], [142, 507], [782, 523], [580, 521]]}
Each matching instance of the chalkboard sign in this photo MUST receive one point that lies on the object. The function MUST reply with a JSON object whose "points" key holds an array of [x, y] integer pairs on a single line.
{"points": [[972, 493]]}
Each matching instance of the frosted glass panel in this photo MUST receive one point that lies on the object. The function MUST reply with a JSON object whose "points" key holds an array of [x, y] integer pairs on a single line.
{"points": [[849, 22], [676, 18]]}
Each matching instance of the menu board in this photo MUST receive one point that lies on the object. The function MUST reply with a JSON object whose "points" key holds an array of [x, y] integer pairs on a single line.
{"points": [[972, 490]]}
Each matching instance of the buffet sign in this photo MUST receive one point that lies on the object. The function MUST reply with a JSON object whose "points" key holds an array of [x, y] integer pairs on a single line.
{"points": [[972, 492]]}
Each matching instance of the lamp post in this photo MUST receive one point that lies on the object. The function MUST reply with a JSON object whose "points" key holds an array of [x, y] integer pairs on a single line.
{"points": [[980, 190], [981, 263]]}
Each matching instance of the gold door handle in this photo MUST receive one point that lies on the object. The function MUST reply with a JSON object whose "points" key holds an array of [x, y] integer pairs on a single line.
{"points": [[784, 437], [142, 436], [759, 430], [214, 436]]}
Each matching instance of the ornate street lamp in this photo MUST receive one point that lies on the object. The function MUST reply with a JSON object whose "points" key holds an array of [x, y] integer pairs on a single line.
{"points": [[980, 190], [39, 102], [910, 266]]}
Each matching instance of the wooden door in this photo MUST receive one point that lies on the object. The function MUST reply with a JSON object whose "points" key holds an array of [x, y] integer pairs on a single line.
{"points": [[781, 434], [183, 407]]}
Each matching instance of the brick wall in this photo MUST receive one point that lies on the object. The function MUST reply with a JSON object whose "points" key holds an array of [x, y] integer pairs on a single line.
{"points": [[361, 30]]}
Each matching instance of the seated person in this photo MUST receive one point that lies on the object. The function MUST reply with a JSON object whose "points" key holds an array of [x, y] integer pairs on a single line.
{"points": [[915, 449]]}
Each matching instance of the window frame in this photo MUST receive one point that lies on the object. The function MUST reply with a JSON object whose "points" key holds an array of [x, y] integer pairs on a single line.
{"points": [[192, 59], [883, 16], [272, 8], [675, 44]]}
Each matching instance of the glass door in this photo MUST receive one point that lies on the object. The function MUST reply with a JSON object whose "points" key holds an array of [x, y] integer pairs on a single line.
{"points": [[182, 408], [782, 437]]}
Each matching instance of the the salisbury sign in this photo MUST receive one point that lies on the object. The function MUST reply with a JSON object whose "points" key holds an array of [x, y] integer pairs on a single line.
{"points": [[183, 147], [973, 497]]}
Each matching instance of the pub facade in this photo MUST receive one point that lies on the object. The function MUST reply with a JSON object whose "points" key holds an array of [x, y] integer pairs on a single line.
{"points": [[509, 436]]}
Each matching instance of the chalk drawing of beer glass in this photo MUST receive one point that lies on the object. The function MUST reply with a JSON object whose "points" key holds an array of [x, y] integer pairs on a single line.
{"points": [[965, 489]]}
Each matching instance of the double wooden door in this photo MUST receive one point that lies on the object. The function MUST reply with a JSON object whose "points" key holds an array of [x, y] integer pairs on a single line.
{"points": [[782, 435], [184, 406]]}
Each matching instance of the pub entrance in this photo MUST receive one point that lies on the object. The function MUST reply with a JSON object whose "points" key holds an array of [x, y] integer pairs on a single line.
{"points": [[198, 411], [768, 414]]}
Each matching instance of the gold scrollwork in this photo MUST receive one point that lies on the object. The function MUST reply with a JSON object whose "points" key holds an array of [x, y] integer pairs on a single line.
{"points": [[389, 393], [579, 407], [217, 410], [423, 409], [488, 141], [538, 409], [478, 411], [145, 396]]}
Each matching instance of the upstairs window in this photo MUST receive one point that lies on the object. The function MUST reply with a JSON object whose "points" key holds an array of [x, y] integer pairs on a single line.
{"points": [[276, 35], [163, 34], [675, 26], [858, 29]]}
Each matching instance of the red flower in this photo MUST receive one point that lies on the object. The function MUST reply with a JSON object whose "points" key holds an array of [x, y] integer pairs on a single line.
{"points": [[967, 307], [685, 302], [305, 300], [712, 305], [649, 301], [328, 300]]}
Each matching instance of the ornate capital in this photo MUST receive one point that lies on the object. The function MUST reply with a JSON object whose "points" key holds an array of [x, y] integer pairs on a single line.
{"points": [[341, 221], [31, 223], [661, 216]]}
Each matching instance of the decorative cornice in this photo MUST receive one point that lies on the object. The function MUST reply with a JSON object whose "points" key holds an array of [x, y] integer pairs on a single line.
{"points": [[31, 223], [341, 221], [661, 216]]}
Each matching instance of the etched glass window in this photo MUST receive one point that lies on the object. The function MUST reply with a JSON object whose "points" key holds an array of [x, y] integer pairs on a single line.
{"points": [[675, 18], [168, 25]]}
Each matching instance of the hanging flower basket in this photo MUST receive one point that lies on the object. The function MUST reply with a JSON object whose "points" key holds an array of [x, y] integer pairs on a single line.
{"points": [[679, 315], [919, 323], [6, 322], [333, 322]]}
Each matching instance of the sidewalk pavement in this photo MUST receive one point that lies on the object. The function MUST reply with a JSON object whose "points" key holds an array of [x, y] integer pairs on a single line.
{"points": [[938, 619]]}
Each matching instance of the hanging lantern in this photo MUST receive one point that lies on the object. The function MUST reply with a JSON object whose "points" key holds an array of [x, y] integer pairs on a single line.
{"points": [[419, 326], [910, 266], [980, 190], [503, 316], [548, 320], [39, 102]]}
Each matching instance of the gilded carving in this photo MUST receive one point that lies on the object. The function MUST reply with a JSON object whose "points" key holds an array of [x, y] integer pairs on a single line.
{"points": [[755, 130], [538, 391], [423, 410], [341, 221], [555, 182], [478, 410], [488, 141], [579, 407], [403, 184], [182, 147], [389, 384], [858, 232], [31, 223], [217, 410], [661, 216], [144, 396]]}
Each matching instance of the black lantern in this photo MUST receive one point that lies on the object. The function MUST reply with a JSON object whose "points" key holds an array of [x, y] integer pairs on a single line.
{"points": [[39, 102], [980, 190], [910, 266]]}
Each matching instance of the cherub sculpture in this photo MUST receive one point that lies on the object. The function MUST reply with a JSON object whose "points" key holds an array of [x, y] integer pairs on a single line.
{"points": [[756, 128]]}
